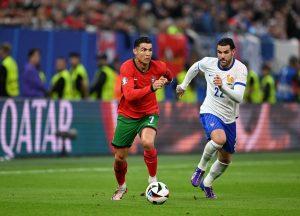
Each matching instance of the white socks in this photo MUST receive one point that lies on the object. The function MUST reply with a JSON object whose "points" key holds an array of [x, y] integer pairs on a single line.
{"points": [[152, 179], [216, 170], [209, 150]]}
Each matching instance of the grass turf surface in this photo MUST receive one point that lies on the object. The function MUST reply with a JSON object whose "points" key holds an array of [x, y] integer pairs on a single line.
{"points": [[255, 184]]}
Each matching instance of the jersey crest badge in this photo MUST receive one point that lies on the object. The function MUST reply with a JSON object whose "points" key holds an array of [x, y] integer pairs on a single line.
{"points": [[229, 80]]}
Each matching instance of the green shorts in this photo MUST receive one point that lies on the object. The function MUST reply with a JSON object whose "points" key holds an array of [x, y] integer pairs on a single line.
{"points": [[128, 128]]}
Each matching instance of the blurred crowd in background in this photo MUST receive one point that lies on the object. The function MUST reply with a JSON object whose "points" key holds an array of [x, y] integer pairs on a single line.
{"points": [[278, 18], [275, 18]]}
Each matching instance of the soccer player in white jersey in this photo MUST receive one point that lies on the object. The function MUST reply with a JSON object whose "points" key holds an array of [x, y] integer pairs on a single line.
{"points": [[226, 81]]}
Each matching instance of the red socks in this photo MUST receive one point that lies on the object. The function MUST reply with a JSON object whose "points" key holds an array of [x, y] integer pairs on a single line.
{"points": [[150, 158], [120, 171]]}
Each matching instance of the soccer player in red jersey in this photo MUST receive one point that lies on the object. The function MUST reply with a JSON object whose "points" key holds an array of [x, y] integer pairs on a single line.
{"points": [[138, 110]]}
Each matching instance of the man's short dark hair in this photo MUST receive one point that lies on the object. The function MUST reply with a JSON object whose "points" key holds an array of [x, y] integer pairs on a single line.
{"points": [[6, 47], [225, 42], [293, 60], [74, 54], [266, 67], [140, 40], [32, 51]]}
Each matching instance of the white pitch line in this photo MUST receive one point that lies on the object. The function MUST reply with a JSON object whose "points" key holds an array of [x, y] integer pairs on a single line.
{"points": [[80, 169], [107, 169], [18, 172]]}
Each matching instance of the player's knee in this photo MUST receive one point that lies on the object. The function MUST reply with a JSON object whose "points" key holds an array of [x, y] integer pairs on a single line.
{"points": [[120, 158], [147, 144], [219, 139]]}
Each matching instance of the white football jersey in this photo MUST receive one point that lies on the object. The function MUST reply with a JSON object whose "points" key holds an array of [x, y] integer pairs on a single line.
{"points": [[216, 102]]}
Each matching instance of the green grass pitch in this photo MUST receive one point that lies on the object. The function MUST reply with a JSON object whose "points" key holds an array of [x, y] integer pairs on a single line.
{"points": [[255, 184]]}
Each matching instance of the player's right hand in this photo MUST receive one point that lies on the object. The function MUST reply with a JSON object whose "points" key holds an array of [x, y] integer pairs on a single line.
{"points": [[164, 80], [179, 91], [157, 84]]}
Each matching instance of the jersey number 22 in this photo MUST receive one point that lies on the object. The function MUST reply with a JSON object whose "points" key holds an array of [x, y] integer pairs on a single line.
{"points": [[218, 93]]}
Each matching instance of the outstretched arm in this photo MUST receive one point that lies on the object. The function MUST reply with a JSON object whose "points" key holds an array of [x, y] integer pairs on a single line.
{"points": [[191, 73]]}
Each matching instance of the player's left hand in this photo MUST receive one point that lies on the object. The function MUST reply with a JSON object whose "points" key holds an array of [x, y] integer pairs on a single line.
{"points": [[218, 81], [179, 91]]}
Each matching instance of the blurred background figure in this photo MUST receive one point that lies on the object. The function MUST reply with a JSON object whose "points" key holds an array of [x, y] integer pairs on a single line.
{"points": [[80, 80], [61, 83], [9, 75], [117, 90], [268, 86], [33, 79], [298, 83], [252, 91], [105, 80], [287, 81]]}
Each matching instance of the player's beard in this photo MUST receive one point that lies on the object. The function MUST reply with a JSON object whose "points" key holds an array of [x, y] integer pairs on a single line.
{"points": [[142, 64], [226, 63]]}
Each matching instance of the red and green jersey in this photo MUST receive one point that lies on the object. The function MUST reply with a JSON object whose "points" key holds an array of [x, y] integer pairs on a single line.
{"points": [[138, 99]]}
